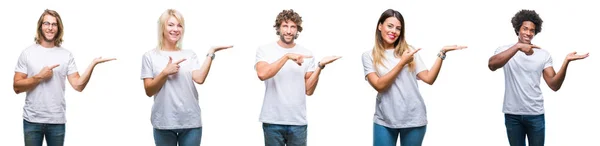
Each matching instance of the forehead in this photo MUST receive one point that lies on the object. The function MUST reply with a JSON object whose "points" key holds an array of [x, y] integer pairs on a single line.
{"points": [[49, 18], [288, 22], [392, 20], [528, 24], [172, 20]]}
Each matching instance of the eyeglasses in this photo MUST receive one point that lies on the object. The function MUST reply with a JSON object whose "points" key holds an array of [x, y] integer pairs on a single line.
{"points": [[46, 23]]}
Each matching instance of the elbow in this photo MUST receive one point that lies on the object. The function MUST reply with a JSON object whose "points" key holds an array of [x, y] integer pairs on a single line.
{"points": [[555, 88], [148, 94], [308, 93], [17, 91], [429, 82], [492, 67], [381, 89], [79, 89], [262, 76], [199, 82]]}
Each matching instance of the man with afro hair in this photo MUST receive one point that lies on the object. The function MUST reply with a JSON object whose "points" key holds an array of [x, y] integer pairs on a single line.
{"points": [[524, 63]]}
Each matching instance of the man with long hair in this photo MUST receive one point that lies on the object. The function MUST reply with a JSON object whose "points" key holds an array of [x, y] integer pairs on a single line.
{"points": [[40, 72]]}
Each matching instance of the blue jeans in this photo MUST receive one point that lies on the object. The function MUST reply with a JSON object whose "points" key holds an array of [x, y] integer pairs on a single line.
{"points": [[284, 135], [518, 126], [35, 133], [183, 137], [384, 136]]}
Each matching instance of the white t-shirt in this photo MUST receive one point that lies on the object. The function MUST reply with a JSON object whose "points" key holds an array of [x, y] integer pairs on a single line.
{"points": [[45, 103], [522, 73], [400, 106], [176, 104], [285, 93]]}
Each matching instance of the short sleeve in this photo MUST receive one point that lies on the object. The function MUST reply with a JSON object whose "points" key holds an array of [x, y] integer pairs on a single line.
{"points": [[22, 63], [147, 70], [260, 55], [195, 62], [419, 65], [501, 49], [548, 62], [367, 61], [72, 66]]}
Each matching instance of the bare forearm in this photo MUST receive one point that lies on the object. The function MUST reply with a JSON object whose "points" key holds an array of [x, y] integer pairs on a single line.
{"points": [[313, 80], [200, 75], [500, 59], [24, 85], [434, 72], [270, 70], [83, 80], [384, 82], [153, 86], [559, 78]]}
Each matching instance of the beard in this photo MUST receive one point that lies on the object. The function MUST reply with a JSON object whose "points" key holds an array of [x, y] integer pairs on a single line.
{"points": [[282, 38], [46, 39]]}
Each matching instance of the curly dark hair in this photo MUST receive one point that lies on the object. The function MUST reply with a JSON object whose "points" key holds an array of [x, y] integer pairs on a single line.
{"points": [[286, 15], [527, 15]]}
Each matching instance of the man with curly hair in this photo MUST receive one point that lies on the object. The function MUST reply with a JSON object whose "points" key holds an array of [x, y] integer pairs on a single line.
{"points": [[289, 73], [524, 64]]}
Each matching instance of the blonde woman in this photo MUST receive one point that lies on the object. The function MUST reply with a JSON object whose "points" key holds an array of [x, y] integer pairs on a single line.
{"points": [[169, 74], [393, 68]]}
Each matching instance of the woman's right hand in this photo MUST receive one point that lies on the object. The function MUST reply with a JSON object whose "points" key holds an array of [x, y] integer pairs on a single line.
{"points": [[172, 67], [408, 55]]}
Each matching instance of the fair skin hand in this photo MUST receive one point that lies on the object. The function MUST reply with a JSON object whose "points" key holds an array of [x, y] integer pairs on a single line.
{"points": [[429, 76], [153, 85], [199, 76], [312, 78], [23, 84], [381, 84], [555, 80], [79, 82], [266, 71]]}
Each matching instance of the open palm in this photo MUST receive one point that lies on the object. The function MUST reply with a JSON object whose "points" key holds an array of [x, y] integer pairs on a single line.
{"points": [[102, 60], [573, 56]]}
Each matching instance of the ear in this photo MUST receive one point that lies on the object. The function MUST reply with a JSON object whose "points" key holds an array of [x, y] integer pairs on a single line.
{"points": [[379, 27]]}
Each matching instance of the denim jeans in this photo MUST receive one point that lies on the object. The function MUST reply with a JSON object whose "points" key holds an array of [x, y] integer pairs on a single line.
{"points": [[384, 136], [519, 126], [284, 135], [35, 132], [183, 137]]}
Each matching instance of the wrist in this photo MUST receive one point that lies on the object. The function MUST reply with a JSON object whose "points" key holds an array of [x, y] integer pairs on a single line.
{"points": [[442, 54], [322, 66], [211, 55]]}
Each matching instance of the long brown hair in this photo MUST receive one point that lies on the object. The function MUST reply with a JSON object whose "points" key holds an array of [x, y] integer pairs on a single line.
{"points": [[39, 34], [400, 44]]}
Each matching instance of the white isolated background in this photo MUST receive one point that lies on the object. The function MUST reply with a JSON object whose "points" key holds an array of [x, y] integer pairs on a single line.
{"points": [[464, 105]]}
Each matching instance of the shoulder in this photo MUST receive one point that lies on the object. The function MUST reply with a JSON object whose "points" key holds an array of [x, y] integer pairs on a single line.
{"points": [[367, 54]]}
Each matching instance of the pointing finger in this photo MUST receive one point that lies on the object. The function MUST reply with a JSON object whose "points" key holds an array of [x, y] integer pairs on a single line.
{"points": [[177, 62]]}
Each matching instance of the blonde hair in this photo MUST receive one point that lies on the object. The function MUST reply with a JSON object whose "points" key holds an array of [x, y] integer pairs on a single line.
{"points": [[400, 45], [39, 34], [162, 21]]}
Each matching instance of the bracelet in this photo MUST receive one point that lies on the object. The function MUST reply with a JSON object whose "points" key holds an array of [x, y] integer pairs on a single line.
{"points": [[442, 54], [319, 64], [212, 56]]}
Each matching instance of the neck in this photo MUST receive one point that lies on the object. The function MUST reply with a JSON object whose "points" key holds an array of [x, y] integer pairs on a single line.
{"points": [[168, 46], [286, 45], [46, 44], [388, 46]]}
